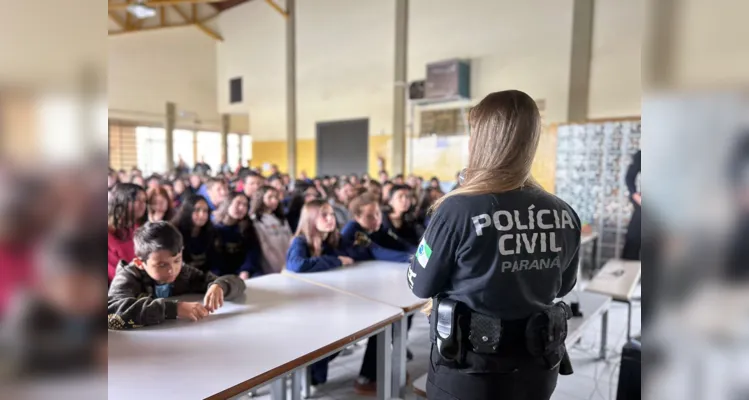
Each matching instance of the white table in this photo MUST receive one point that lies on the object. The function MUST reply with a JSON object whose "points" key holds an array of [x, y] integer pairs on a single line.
{"points": [[281, 326], [618, 279], [592, 306], [383, 282]]}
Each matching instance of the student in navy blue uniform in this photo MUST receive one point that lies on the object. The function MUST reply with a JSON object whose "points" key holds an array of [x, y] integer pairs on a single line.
{"points": [[238, 245], [498, 252], [362, 232], [395, 216], [214, 191], [367, 222], [317, 245], [194, 223]]}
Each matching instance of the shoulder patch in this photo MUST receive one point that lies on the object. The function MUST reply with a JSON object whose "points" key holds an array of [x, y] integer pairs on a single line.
{"points": [[423, 253]]}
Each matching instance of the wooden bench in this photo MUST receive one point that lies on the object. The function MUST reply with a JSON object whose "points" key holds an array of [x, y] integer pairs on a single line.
{"points": [[618, 279]]}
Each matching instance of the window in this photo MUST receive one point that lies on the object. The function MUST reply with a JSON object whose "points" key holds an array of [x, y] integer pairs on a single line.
{"points": [[246, 149], [209, 149], [151, 145], [183, 146], [235, 90], [232, 151]]}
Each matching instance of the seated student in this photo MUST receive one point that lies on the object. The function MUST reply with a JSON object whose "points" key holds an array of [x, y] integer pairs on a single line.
{"points": [[128, 201], [317, 246], [344, 193], [428, 197], [181, 193], [139, 291], [237, 240], [194, 223], [153, 182], [367, 221], [273, 232], [387, 188], [195, 183], [375, 188], [396, 219], [53, 326], [214, 191], [251, 183], [159, 205], [301, 195]]}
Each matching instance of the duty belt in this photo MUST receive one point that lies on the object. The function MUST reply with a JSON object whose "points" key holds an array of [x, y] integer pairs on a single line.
{"points": [[454, 327]]}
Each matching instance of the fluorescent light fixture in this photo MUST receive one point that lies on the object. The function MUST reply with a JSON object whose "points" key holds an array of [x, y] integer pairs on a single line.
{"points": [[141, 11]]}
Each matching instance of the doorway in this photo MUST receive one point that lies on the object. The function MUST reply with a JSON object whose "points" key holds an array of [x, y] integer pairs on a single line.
{"points": [[342, 147]]}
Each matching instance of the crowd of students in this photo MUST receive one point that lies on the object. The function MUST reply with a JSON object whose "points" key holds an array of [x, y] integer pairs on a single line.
{"points": [[193, 233]]}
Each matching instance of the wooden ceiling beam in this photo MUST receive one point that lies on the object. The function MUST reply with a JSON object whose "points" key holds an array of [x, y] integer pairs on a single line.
{"points": [[149, 28], [117, 20], [208, 31], [116, 5]]}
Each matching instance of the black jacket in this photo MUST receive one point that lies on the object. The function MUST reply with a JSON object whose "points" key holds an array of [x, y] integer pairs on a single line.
{"points": [[131, 302], [506, 255]]}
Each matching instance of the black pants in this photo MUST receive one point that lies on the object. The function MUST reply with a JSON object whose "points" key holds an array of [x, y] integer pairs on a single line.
{"points": [[490, 377], [633, 239], [319, 370], [369, 363]]}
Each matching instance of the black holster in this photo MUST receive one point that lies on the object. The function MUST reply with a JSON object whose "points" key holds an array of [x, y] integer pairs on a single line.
{"points": [[545, 334], [446, 328]]}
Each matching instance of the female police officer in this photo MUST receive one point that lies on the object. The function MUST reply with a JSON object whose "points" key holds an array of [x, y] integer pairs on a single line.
{"points": [[496, 254]]}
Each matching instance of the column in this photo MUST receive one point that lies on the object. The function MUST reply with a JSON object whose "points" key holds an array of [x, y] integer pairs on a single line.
{"points": [[291, 86], [225, 127], [582, 41], [400, 86], [171, 111]]}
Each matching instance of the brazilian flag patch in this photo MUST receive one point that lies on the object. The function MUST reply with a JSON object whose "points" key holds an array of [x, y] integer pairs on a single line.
{"points": [[423, 253]]}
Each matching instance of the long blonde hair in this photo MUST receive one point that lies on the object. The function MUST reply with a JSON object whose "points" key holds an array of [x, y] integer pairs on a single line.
{"points": [[308, 228], [505, 128]]}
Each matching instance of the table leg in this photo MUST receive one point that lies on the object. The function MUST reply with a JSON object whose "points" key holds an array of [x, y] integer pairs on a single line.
{"points": [[594, 257], [306, 384], [296, 383], [604, 334], [384, 364], [400, 339], [278, 389], [629, 320]]}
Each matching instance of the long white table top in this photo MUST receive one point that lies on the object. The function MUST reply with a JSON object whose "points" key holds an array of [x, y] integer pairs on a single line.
{"points": [[592, 306], [280, 325], [618, 279], [380, 281]]}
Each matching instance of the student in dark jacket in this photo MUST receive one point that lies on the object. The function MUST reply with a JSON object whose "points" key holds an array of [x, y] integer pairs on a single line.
{"points": [[396, 218], [317, 246], [140, 290], [194, 223], [368, 221], [239, 248]]}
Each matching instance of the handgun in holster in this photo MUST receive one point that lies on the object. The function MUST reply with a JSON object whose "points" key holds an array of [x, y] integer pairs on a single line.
{"points": [[446, 320], [545, 334]]}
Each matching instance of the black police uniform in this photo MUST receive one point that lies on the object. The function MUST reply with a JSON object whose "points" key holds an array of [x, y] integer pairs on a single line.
{"points": [[504, 258], [631, 249]]}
